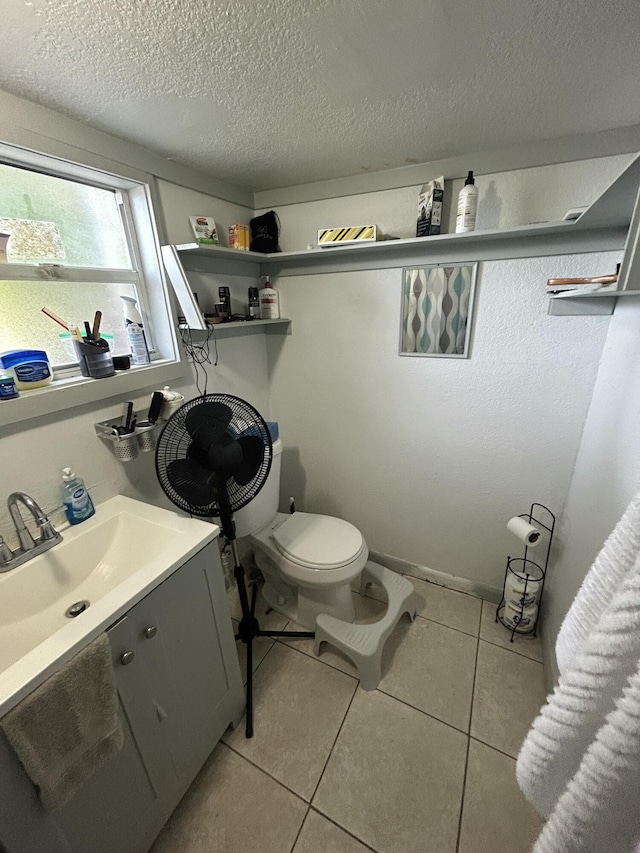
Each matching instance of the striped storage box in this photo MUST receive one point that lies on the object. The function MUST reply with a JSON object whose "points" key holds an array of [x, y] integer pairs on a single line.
{"points": [[342, 236]]}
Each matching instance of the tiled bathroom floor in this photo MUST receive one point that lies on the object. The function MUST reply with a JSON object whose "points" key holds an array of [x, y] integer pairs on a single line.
{"points": [[423, 764]]}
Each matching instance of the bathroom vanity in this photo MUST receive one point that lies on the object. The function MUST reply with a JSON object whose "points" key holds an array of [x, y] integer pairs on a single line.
{"points": [[179, 688]]}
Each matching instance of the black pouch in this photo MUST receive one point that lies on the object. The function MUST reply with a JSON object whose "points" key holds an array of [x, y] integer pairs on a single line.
{"points": [[265, 231]]}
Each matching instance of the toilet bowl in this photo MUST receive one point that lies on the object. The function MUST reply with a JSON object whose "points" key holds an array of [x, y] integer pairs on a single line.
{"points": [[308, 561]]}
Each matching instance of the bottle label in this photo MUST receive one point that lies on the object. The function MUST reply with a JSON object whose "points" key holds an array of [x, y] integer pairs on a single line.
{"points": [[138, 344], [35, 371], [79, 503], [7, 389]]}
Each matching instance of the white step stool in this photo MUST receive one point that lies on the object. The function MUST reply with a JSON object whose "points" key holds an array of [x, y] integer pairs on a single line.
{"points": [[363, 644]]}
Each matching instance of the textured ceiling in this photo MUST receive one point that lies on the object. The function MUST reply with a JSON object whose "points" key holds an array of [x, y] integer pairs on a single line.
{"points": [[271, 93]]}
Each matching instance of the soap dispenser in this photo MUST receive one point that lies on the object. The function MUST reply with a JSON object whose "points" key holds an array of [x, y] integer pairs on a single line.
{"points": [[269, 301], [77, 503]]}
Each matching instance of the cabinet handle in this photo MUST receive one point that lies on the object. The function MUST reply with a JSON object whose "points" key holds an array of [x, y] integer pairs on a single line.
{"points": [[126, 658], [150, 632]]}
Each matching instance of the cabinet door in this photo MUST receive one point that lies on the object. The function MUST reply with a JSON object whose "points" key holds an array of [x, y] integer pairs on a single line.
{"points": [[122, 807], [184, 634]]}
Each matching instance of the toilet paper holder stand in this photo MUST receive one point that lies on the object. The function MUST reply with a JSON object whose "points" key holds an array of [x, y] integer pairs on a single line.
{"points": [[527, 577]]}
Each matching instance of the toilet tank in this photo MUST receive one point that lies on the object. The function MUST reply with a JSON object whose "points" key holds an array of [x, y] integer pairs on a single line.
{"points": [[264, 506]]}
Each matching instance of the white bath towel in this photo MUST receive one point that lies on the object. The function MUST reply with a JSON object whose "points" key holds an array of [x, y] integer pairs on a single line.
{"points": [[611, 566], [580, 764]]}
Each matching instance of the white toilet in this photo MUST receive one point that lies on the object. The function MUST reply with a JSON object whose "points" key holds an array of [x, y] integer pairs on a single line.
{"points": [[308, 561]]}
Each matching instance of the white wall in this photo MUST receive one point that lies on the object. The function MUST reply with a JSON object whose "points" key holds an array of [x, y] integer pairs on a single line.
{"points": [[431, 457], [607, 470]]}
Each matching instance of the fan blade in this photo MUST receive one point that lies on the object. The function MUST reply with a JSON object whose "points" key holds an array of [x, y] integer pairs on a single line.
{"points": [[192, 482], [252, 457], [206, 423]]}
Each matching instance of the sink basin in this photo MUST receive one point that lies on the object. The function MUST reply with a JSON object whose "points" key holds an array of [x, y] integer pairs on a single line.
{"points": [[111, 561]]}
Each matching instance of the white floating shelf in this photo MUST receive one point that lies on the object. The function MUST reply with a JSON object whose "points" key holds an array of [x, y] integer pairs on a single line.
{"points": [[595, 294], [242, 327]]}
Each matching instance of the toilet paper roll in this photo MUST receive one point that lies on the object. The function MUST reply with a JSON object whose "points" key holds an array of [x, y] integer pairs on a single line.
{"points": [[525, 532], [519, 592], [522, 620]]}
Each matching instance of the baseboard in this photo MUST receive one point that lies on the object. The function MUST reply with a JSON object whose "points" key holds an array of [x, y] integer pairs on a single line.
{"points": [[404, 567]]}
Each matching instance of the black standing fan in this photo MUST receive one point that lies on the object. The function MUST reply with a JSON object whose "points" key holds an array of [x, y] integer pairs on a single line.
{"points": [[213, 457]]}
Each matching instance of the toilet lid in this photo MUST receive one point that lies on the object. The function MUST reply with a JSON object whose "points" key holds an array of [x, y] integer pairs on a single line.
{"points": [[319, 541]]}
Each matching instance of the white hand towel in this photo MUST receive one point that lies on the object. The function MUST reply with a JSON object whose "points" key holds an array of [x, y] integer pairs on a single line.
{"points": [[69, 726]]}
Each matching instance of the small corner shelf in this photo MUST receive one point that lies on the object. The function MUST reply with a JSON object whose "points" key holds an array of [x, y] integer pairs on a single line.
{"points": [[570, 304], [243, 327]]}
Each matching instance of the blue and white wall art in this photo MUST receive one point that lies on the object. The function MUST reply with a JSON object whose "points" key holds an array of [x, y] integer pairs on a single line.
{"points": [[437, 306]]}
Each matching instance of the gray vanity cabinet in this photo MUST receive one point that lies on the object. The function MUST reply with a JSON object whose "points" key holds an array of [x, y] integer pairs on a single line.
{"points": [[179, 686]]}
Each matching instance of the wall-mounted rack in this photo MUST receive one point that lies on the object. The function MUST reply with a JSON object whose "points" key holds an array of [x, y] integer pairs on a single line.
{"points": [[128, 447], [570, 303]]}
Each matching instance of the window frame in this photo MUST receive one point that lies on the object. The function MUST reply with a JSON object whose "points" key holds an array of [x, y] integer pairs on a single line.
{"points": [[136, 191]]}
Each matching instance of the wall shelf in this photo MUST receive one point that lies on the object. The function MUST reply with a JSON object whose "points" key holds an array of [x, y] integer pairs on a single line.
{"points": [[602, 227], [244, 327], [599, 302]]}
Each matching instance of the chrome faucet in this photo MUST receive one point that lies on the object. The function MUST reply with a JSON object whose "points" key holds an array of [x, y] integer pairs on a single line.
{"points": [[29, 547]]}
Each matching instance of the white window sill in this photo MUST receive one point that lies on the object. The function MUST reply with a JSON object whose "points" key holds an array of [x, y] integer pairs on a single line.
{"points": [[64, 394]]}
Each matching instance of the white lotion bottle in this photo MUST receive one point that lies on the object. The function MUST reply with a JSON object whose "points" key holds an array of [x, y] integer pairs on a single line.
{"points": [[135, 331], [269, 301], [467, 206]]}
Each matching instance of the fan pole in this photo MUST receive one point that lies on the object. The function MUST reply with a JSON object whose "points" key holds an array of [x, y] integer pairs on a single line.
{"points": [[249, 627]]}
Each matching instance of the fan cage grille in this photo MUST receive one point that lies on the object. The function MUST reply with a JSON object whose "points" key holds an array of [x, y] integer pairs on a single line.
{"points": [[174, 443]]}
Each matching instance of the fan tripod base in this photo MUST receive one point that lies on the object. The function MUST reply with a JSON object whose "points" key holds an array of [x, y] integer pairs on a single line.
{"points": [[248, 630]]}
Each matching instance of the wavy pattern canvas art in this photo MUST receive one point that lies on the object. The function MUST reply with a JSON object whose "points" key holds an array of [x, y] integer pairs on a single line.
{"points": [[437, 304]]}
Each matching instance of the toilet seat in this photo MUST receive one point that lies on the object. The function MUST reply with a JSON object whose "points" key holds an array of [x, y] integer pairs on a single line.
{"points": [[318, 541], [315, 550]]}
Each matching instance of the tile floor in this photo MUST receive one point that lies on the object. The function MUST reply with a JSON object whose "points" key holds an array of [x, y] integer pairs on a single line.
{"points": [[423, 764]]}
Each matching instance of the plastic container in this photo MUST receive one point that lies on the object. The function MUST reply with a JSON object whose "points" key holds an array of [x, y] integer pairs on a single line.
{"points": [[94, 358], [269, 301], [30, 368], [135, 331], [253, 304], [467, 206], [66, 339], [8, 390], [172, 402], [77, 502]]}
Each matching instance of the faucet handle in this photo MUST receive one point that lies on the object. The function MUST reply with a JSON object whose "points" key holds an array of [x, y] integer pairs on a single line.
{"points": [[47, 530], [6, 554]]}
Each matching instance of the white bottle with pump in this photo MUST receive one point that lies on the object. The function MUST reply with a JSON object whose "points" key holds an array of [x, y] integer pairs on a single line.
{"points": [[77, 502], [467, 206], [269, 301], [135, 331]]}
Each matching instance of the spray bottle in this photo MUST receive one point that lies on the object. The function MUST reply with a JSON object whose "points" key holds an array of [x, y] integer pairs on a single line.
{"points": [[467, 206], [135, 331]]}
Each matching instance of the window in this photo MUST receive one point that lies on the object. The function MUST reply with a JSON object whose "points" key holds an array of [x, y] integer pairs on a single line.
{"points": [[76, 240]]}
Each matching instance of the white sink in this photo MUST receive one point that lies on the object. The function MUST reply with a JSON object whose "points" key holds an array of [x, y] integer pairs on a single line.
{"points": [[112, 560]]}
